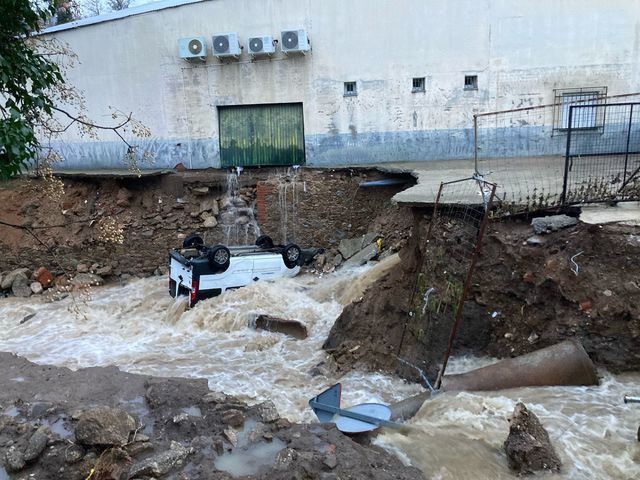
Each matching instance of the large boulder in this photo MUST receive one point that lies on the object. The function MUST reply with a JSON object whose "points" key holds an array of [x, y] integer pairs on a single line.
{"points": [[292, 328], [104, 426], [8, 279], [528, 446], [363, 256], [36, 444], [161, 463], [21, 286], [552, 223]]}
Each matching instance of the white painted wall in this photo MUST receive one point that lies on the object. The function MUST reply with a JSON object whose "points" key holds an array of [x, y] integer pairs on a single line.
{"points": [[520, 49]]}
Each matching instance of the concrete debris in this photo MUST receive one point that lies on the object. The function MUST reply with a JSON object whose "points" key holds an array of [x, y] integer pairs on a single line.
{"points": [[200, 190], [363, 256], [535, 240], [104, 426], [267, 412], [552, 223], [292, 328], [230, 435], [350, 246], [162, 463], [528, 447]]}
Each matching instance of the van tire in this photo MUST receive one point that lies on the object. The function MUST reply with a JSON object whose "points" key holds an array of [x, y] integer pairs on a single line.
{"points": [[219, 257], [193, 241], [264, 241], [292, 255]]}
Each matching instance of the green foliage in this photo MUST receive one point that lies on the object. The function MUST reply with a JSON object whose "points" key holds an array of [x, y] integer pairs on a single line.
{"points": [[26, 78]]}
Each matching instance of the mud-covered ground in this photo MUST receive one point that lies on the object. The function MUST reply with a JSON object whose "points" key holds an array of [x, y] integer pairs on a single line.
{"points": [[524, 296], [49, 429]]}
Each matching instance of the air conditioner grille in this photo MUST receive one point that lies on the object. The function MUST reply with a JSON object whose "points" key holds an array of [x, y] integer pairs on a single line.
{"points": [[221, 44], [195, 46], [256, 45], [290, 40]]}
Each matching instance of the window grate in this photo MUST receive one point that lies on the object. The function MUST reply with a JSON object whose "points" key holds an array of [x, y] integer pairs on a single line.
{"points": [[470, 82], [418, 85], [350, 89], [589, 118]]}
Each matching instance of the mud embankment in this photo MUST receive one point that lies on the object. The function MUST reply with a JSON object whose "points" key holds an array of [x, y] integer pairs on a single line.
{"points": [[525, 295], [55, 426]]}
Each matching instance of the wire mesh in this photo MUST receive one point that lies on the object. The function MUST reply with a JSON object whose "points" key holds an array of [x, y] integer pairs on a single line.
{"points": [[603, 153], [523, 150], [453, 242]]}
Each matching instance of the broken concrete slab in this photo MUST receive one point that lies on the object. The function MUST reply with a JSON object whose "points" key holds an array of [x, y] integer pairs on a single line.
{"points": [[363, 256], [552, 223], [528, 446], [293, 328], [350, 246]]}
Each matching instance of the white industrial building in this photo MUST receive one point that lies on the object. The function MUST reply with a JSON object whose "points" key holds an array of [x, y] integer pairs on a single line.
{"points": [[368, 80]]}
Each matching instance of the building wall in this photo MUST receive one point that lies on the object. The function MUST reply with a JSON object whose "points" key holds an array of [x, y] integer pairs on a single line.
{"points": [[519, 49]]}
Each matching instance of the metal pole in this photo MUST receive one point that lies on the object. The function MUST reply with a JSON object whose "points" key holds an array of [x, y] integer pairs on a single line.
{"points": [[629, 399], [475, 143], [465, 290], [626, 155], [563, 198]]}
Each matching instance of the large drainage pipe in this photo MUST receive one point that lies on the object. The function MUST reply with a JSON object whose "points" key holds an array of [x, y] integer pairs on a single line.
{"points": [[565, 363]]}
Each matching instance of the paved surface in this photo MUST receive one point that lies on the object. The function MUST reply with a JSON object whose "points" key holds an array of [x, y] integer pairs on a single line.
{"points": [[627, 213]]}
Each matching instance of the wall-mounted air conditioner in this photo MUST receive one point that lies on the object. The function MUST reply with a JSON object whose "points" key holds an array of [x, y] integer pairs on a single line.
{"points": [[226, 45], [192, 48], [261, 45], [294, 41]]}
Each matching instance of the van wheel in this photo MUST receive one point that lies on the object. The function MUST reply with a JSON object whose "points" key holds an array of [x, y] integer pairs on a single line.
{"points": [[264, 241], [291, 255], [219, 257], [193, 241]]}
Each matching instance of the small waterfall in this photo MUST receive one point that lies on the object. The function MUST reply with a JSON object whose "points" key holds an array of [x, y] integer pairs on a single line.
{"points": [[237, 213], [288, 187]]}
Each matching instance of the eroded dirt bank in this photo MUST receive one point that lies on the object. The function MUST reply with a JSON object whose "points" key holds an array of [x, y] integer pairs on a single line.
{"points": [[524, 296], [180, 430]]}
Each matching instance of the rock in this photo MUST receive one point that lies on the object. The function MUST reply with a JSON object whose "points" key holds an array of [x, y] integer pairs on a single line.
{"points": [[8, 279], [73, 453], [113, 464], [243, 220], [528, 446], [552, 223], [533, 338], [231, 437], [330, 461], [233, 417], [350, 246], [162, 463], [267, 412], [181, 417], [216, 397], [123, 198], [21, 286], [104, 426], [210, 222], [36, 445], [200, 190], [337, 260], [105, 271], [14, 459], [209, 204], [87, 279], [363, 256], [292, 328], [535, 240], [36, 287], [43, 276], [82, 268], [321, 259]]}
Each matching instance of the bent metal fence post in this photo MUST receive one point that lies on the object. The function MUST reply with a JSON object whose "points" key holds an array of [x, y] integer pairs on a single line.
{"points": [[451, 247]]}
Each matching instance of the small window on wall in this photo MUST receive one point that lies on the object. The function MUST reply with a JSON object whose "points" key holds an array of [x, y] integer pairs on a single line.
{"points": [[470, 82], [350, 89], [418, 84], [586, 114]]}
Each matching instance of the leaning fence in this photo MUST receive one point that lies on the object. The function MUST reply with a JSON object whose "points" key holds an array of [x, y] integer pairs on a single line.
{"points": [[451, 247], [570, 151]]}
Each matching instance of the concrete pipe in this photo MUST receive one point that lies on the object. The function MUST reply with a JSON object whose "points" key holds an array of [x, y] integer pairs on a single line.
{"points": [[565, 363]]}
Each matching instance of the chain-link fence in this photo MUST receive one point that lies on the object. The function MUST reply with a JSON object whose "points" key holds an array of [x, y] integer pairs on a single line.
{"points": [[523, 150]]}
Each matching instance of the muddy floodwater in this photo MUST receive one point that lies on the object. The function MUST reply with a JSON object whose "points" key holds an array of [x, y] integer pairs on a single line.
{"points": [[141, 329]]}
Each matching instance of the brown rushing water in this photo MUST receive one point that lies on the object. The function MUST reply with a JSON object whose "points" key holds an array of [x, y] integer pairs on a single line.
{"points": [[141, 329]]}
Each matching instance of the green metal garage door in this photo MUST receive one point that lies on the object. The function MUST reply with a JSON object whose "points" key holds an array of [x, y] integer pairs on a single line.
{"points": [[261, 135]]}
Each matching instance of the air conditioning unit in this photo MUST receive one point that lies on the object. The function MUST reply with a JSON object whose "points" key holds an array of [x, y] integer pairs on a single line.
{"points": [[192, 48], [226, 45], [261, 45], [294, 41]]}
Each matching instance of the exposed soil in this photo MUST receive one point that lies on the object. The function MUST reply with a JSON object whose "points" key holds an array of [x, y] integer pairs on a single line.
{"points": [[523, 297], [165, 410]]}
